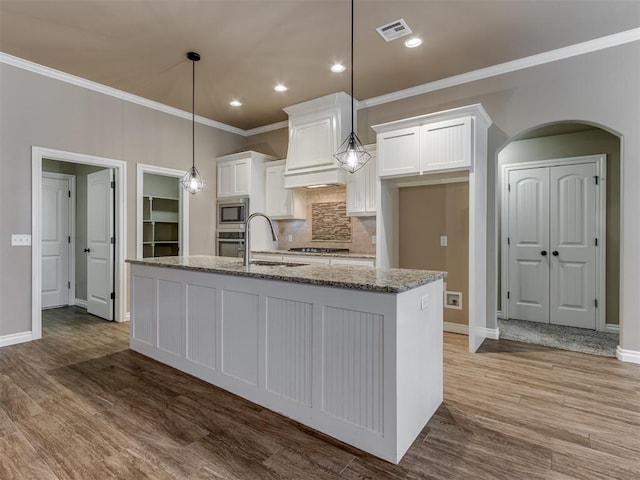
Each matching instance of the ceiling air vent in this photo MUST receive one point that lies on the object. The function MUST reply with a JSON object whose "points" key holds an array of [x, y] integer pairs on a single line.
{"points": [[393, 30]]}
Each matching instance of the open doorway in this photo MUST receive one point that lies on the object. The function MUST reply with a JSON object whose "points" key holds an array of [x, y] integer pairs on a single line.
{"points": [[541, 153], [87, 224]]}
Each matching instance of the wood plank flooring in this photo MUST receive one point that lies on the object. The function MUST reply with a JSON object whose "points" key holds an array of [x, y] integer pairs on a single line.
{"points": [[78, 404]]}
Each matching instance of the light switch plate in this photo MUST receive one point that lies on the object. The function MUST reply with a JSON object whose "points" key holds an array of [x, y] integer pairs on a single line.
{"points": [[443, 240], [424, 302], [18, 240], [373, 239]]}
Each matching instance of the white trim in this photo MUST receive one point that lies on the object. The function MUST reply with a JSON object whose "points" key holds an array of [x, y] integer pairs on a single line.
{"points": [[612, 328], [143, 168], [499, 314], [71, 278], [266, 128], [459, 328], [78, 302], [13, 338], [113, 92], [492, 333], [631, 356], [120, 167], [563, 53], [423, 182], [601, 225], [127, 317]]}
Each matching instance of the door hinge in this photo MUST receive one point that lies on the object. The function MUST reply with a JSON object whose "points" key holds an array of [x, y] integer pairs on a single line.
{"points": [[69, 239], [508, 294], [113, 295], [113, 184], [596, 179], [596, 302], [113, 240], [509, 187], [69, 193], [596, 242], [69, 285], [508, 240]]}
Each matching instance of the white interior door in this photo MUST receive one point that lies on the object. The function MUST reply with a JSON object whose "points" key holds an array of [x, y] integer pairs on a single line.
{"points": [[573, 233], [529, 244], [100, 211], [55, 241]]}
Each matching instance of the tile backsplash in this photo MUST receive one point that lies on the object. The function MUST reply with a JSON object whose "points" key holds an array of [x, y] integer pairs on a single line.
{"points": [[302, 231]]}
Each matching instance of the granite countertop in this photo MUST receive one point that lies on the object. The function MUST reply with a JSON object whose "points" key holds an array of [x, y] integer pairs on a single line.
{"points": [[385, 280], [371, 256]]}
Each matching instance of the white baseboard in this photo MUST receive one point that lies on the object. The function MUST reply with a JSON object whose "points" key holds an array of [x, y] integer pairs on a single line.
{"points": [[127, 317], [12, 339], [499, 313], [612, 328], [492, 333], [631, 356], [80, 303], [456, 328]]}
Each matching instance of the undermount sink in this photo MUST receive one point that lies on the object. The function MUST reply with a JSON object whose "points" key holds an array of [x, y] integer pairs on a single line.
{"points": [[269, 263]]}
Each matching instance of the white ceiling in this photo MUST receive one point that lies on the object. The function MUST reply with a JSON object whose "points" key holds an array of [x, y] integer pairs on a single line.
{"points": [[247, 46]]}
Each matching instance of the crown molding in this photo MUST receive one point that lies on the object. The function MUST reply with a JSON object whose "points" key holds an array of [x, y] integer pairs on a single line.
{"points": [[590, 46], [594, 45], [112, 92]]}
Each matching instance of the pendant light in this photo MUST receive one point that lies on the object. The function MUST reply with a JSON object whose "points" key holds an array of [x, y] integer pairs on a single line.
{"points": [[351, 155], [192, 182]]}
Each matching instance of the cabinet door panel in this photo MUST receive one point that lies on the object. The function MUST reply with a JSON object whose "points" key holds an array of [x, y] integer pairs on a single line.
{"points": [[242, 178], [313, 145], [446, 145], [399, 152]]}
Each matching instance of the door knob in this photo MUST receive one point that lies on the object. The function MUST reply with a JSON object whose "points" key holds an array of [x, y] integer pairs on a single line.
{"points": [[87, 250], [554, 253], [543, 253]]}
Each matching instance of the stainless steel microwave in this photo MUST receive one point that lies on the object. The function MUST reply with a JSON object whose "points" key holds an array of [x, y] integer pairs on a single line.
{"points": [[232, 213]]}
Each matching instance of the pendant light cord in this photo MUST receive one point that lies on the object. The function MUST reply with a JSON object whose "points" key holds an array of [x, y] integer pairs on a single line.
{"points": [[193, 115], [352, 108]]}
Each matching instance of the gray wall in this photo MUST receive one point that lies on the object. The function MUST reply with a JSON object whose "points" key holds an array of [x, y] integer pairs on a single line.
{"points": [[601, 87], [40, 111]]}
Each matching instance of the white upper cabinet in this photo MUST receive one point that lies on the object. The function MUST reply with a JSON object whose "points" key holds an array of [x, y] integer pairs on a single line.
{"points": [[280, 202], [242, 174], [234, 178], [399, 152], [436, 142], [446, 145], [362, 188]]}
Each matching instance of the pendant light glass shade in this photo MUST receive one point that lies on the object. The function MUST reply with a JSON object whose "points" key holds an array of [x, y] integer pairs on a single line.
{"points": [[192, 182], [351, 155]]}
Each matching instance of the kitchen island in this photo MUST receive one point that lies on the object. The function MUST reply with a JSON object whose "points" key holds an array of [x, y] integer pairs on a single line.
{"points": [[354, 352]]}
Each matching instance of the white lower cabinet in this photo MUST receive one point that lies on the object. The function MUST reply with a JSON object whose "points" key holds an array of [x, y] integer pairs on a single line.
{"points": [[363, 262], [306, 259]]}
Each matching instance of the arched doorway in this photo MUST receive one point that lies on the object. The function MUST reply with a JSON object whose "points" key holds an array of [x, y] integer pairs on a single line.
{"points": [[553, 142]]}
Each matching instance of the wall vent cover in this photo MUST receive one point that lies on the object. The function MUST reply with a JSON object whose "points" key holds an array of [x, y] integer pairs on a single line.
{"points": [[393, 30]]}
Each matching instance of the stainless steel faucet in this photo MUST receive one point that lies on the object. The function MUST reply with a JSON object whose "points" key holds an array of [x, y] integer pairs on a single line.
{"points": [[247, 243]]}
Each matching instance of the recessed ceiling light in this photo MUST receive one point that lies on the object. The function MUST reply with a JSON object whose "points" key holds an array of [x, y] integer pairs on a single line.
{"points": [[235, 103], [280, 88], [338, 68], [413, 42]]}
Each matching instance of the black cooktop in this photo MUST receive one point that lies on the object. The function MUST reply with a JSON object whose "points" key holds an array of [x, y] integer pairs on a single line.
{"points": [[319, 250]]}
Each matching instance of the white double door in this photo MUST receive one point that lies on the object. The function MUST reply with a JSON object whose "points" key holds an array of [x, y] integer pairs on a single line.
{"points": [[552, 244]]}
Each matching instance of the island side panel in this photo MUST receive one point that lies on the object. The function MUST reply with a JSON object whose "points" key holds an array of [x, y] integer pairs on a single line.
{"points": [[419, 360], [321, 355]]}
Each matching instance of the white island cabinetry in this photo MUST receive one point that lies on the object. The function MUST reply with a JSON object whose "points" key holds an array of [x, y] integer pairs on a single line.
{"points": [[361, 365]]}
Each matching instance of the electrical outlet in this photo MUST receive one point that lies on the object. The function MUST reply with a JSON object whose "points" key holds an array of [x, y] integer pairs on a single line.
{"points": [[373, 239], [20, 240], [443, 240], [290, 238]]}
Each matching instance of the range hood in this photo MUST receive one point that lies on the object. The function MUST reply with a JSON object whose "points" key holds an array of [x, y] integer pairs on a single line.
{"points": [[316, 130]]}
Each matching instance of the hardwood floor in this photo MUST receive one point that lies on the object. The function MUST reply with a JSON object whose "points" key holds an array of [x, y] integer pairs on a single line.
{"points": [[79, 405]]}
